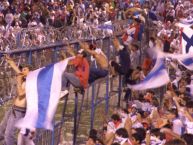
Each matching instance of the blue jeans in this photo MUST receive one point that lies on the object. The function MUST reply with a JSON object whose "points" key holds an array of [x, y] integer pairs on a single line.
{"points": [[96, 73], [70, 78]]}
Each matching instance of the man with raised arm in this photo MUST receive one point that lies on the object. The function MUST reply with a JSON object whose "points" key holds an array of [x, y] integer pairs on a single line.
{"points": [[123, 66], [19, 103], [79, 78], [101, 69]]}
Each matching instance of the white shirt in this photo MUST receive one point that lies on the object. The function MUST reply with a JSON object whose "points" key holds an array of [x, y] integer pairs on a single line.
{"points": [[111, 127], [177, 126], [189, 126]]}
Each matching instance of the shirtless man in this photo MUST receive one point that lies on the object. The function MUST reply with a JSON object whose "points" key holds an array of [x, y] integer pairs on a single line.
{"points": [[101, 70], [19, 104]]}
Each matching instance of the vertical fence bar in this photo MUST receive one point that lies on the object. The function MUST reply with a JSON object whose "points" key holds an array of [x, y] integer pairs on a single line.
{"points": [[53, 134], [92, 107], [75, 118], [107, 81], [55, 54], [119, 91], [62, 120], [54, 60], [30, 57]]}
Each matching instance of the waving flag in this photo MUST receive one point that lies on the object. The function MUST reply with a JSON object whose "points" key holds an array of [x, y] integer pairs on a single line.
{"points": [[187, 21], [186, 38], [185, 59], [107, 26], [156, 78], [43, 88]]}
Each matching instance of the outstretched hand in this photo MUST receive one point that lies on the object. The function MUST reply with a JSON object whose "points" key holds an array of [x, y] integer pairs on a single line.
{"points": [[70, 50], [8, 58], [84, 45]]}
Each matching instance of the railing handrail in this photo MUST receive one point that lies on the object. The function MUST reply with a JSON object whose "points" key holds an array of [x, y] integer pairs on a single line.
{"points": [[62, 31]]}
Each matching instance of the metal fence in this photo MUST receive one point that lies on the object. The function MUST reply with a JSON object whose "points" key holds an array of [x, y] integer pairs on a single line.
{"points": [[40, 36], [25, 50]]}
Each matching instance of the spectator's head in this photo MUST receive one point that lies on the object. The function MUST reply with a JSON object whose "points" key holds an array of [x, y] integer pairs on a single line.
{"points": [[116, 118], [173, 113], [188, 138], [91, 141], [176, 142], [115, 143], [92, 46], [93, 133], [134, 47], [156, 132], [25, 68], [9, 18], [189, 106], [149, 95], [138, 136], [134, 108], [122, 132]]}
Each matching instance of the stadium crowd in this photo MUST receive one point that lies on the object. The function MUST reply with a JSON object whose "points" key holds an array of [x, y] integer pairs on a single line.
{"points": [[145, 120]]}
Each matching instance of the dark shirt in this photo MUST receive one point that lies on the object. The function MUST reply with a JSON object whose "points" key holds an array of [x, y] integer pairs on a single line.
{"points": [[124, 58]]}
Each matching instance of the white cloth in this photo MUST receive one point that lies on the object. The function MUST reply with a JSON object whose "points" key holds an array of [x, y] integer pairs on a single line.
{"points": [[24, 140]]}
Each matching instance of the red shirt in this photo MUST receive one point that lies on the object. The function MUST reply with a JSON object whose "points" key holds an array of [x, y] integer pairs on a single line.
{"points": [[82, 70]]}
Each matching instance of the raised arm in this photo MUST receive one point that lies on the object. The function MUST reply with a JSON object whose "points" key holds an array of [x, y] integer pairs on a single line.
{"points": [[13, 65], [70, 50], [85, 46], [128, 126], [116, 43], [175, 99]]}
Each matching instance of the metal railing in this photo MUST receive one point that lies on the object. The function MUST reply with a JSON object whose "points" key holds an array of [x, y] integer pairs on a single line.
{"points": [[41, 36]]}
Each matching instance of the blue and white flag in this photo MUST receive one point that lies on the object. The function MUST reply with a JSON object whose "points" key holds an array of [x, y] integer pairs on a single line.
{"points": [[106, 26], [43, 87], [187, 61], [187, 21], [186, 38], [156, 78], [184, 59]]}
